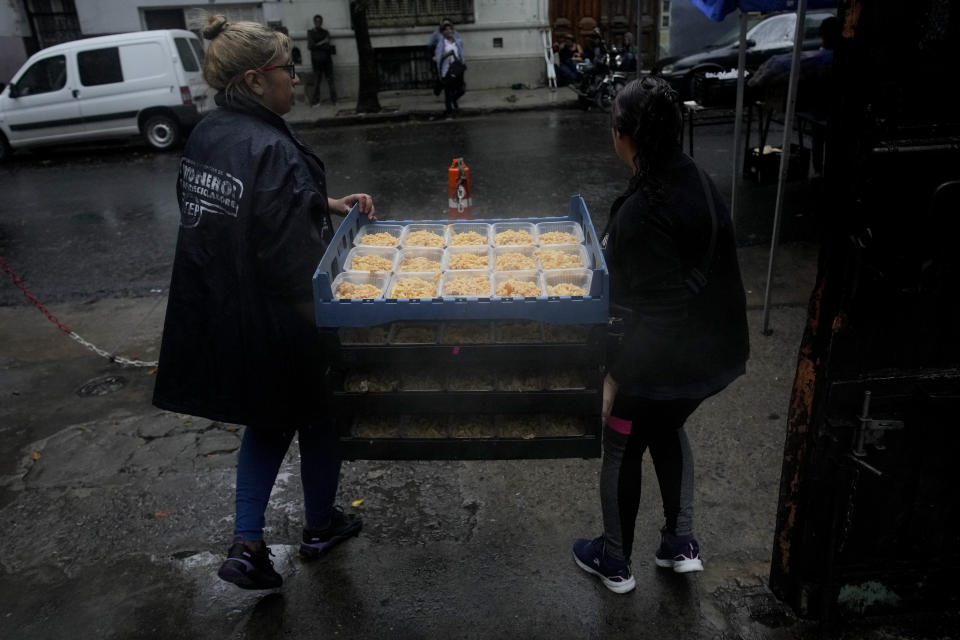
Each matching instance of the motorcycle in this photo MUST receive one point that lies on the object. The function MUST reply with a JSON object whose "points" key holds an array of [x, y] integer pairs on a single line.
{"points": [[598, 80]]}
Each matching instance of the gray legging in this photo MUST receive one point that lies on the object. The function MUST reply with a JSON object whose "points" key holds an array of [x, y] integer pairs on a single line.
{"points": [[636, 424]]}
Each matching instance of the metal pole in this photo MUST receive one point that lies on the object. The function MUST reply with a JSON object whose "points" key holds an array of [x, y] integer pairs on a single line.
{"points": [[784, 154], [636, 44], [738, 118]]}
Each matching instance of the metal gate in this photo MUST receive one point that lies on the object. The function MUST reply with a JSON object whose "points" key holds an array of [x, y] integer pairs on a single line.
{"points": [[404, 68]]}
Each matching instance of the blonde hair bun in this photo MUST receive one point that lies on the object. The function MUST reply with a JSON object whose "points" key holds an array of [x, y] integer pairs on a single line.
{"points": [[216, 24]]}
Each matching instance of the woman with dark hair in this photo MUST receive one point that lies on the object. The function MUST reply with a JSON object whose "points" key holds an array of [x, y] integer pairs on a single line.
{"points": [[675, 284]]}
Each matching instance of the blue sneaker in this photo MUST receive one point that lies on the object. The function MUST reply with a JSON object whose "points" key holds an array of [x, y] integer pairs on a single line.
{"points": [[680, 553], [316, 542], [614, 574]]}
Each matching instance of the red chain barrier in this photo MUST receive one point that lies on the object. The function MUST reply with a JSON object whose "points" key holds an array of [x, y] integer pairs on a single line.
{"points": [[32, 298]]}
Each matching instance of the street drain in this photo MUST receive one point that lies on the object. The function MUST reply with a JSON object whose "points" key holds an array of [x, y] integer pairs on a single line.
{"points": [[101, 386]]}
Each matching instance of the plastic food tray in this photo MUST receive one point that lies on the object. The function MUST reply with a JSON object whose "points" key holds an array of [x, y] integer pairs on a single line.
{"points": [[394, 229], [577, 249], [454, 228], [438, 230], [477, 250], [513, 225], [522, 276], [384, 252], [431, 253], [563, 227], [330, 312]]}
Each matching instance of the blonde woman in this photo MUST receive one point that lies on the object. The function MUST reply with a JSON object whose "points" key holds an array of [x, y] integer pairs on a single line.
{"points": [[239, 344]]}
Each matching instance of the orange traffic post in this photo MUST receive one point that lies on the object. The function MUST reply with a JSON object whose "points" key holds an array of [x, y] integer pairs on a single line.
{"points": [[461, 204]]}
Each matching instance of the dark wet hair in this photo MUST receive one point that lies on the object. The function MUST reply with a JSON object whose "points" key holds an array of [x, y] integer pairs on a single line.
{"points": [[647, 110]]}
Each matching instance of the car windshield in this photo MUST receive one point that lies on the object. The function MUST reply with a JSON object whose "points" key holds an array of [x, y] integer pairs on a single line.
{"points": [[732, 36]]}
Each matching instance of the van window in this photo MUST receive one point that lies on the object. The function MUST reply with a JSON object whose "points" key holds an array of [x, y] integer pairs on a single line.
{"points": [[44, 76], [99, 66], [197, 49], [143, 60], [186, 55]]}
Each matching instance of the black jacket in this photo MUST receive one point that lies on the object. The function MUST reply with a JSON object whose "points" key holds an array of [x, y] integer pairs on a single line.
{"points": [[678, 342], [253, 226]]}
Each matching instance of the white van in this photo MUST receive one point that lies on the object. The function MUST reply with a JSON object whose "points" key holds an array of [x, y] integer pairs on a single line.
{"points": [[147, 82]]}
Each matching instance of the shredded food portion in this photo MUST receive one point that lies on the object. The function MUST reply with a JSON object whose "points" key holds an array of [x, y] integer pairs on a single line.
{"points": [[566, 289], [558, 237], [371, 263], [511, 236], [414, 288], [355, 291], [514, 262], [468, 286], [467, 238], [553, 259], [421, 264], [382, 239], [423, 239], [518, 288], [468, 261]]}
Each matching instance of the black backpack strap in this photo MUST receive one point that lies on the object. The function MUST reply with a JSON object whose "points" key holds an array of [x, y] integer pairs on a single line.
{"points": [[697, 279]]}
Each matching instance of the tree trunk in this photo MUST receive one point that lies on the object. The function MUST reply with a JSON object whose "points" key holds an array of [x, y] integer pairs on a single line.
{"points": [[367, 101]]}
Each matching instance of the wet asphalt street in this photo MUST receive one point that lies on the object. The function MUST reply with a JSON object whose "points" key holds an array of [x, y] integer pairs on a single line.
{"points": [[94, 221], [116, 515]]}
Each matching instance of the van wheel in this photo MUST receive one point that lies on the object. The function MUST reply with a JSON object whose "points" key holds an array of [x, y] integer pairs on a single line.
{"points": [[5, 151], [161, 132]]}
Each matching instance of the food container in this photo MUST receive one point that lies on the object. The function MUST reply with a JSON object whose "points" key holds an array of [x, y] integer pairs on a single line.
{"points": [[581, 278], [572, 228], [532, 277], [388, 253], [481, 228], [476, 250], [452, 276], [378, 280], [524, 250], [413, 233], [373, 228], [577, 250], [433, 254], [519, 226], [399, 278], [456, 333]]}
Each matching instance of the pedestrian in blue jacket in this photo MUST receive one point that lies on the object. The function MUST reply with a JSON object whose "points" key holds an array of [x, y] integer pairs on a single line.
{"points": [[239, 343]]}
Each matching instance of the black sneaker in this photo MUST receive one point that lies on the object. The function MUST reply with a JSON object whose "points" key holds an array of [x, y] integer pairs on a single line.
{"points": [[250, 569], [316, 542]]}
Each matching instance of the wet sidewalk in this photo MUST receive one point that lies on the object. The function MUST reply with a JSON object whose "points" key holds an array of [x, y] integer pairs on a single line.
{"points": [[423, 105]]}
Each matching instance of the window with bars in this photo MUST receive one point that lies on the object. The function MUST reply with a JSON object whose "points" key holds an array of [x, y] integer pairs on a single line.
{"points": [[404, 68], [54, 21], [418, 13]]}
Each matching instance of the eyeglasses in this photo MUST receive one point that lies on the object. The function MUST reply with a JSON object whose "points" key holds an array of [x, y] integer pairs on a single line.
{"points": [[289, 68]]}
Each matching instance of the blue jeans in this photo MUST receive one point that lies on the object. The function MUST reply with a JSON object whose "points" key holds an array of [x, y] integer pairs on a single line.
{"points": [[261, 453]]}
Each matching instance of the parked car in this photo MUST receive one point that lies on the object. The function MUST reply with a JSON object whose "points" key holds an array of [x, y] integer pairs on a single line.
{"points": [[770, 36], [145, 83]]}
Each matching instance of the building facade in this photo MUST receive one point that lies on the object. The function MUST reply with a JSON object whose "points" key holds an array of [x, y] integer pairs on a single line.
{"points": [[502, 39]]}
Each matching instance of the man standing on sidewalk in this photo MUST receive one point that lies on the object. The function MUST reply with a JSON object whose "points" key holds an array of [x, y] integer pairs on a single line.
{"points": [[318, 41]]}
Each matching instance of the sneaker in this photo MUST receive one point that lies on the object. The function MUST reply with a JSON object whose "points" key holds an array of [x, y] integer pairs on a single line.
{"points": [[680, 553], [614, 574], [316, 542], [250, 569]]}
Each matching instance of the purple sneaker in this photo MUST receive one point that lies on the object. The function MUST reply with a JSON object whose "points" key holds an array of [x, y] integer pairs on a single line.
{"points": [[680, 553], [250, 569], [316, 542], [614, 574]]}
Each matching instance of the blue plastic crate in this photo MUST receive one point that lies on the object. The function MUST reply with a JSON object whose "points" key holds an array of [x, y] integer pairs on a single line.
{"points": [[331, 312]]}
